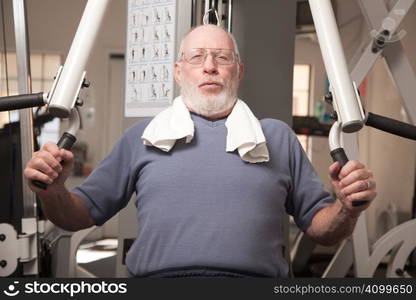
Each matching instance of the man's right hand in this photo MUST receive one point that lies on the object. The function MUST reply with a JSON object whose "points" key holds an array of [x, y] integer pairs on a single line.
{"points": [[50, 165]]}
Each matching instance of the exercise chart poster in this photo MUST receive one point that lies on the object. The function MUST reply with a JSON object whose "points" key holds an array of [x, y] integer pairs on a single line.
{"points": [[149, 56]]}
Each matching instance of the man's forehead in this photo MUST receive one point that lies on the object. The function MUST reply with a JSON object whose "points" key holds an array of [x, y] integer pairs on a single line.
{"points": [[208, 36]]}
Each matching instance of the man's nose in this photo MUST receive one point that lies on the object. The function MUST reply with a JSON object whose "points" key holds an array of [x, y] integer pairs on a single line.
{"points": [[210, 66]]}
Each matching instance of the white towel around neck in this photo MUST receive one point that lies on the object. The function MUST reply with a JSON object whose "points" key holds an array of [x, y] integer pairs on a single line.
{"points": [[175, 122]]}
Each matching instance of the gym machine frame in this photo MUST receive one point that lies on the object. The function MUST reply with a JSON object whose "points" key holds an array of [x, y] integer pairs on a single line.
{"points": [[399, 241], [62, 101]]}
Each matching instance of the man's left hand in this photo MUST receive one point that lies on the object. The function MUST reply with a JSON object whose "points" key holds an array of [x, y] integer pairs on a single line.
{"points": [[354, 186]]}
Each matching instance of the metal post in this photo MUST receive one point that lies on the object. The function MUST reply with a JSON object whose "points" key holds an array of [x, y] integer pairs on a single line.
{"points": [[194, 13], [229, 15], [207, 6], [24, 87], [29, 221], [376, 13], [66, 92], [345, 99]]}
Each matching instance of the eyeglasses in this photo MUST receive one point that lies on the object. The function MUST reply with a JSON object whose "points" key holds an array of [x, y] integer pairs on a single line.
{"points": [[197, 56]]}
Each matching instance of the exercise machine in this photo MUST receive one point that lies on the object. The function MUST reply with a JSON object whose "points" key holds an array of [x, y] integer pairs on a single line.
{"points": [[350, 116], [22, 245]]}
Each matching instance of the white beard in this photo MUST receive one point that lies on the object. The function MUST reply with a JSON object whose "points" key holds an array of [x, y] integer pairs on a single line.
{"points": [[209, 105]]}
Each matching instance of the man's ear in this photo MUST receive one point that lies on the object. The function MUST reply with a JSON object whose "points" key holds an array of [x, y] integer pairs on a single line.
{"points": [[177, 73], [241, 71]]}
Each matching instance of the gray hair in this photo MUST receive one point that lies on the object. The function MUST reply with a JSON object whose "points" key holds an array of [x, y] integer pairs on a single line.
{"points": [[230, 35]]}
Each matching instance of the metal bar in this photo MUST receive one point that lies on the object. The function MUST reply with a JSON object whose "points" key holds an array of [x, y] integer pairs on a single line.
{"points": [[398, 12], [345, 98], [207, 6], [301, 250], [64, 97], [360, 247], [29, 221], [220, 10], [4, 48], [24, 87], [214, 5], [341, 262], [388, 20], [364, 64], [194, 13], [230, 16], [375, 14]]}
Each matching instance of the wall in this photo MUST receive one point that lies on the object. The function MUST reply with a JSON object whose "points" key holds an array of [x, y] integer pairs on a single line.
{"points": [[264, 31]]}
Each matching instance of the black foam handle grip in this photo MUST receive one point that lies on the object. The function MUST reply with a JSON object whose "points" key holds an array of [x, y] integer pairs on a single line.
{"points": [[21, 101], [391, 126], [340, 156], [66, 142]]}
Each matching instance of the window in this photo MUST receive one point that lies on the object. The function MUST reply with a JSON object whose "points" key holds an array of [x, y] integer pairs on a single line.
{"points": [[43, 69], [301, 92]]}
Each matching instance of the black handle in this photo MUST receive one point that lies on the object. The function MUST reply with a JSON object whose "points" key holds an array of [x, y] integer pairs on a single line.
{"points": [[391, 126], [21, 101], [340, 156], [66, 142]]}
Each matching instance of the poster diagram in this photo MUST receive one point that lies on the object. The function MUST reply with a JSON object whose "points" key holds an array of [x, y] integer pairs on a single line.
{"points": [[149, 56]]}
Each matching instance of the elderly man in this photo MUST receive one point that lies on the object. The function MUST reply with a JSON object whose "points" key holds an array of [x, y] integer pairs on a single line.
{"points": [[212, 182]]}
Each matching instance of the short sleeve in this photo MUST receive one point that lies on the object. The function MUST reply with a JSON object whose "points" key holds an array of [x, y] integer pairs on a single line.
{"points": [[110, 186], [307, 194]]}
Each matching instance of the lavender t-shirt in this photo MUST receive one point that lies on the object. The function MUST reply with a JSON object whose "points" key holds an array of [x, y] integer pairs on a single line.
{"points": [[200, 206]]}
